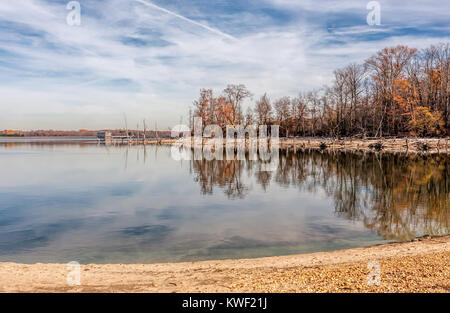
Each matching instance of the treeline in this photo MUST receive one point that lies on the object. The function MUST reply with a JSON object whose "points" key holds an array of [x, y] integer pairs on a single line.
{"points": [[58, 133], [399, 91], [87, 133]]}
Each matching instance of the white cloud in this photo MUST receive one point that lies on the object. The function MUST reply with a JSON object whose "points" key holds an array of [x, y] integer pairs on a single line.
{"points": [[85, 77]]}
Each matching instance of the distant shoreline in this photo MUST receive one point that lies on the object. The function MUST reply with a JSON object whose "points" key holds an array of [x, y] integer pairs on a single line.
{"points": [[417, 266], [389, 145], [46, 139]]}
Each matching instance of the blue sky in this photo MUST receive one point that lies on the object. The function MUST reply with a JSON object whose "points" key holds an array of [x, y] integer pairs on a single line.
{"points": [[150, 58]]}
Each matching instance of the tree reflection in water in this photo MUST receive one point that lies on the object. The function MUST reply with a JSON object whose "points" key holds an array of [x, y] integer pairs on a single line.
{"points": [[397, 196]]}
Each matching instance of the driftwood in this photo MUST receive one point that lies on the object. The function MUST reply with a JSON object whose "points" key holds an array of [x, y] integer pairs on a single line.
{"points": [[406, 145]]}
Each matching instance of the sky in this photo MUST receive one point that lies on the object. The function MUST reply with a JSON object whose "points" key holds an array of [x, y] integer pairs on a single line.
{"points": [[149, 59]]}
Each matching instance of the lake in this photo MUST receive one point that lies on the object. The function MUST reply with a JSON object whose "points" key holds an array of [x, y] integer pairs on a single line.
{"points": [[76, 201]]}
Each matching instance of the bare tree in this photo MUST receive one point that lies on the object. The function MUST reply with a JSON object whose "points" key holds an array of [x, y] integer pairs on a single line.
{"points": [[236, 94], [263, 110], [283, 114]]}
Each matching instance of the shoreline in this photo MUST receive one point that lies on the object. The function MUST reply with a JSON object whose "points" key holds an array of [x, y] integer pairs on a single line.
{"points": [[388, 145], [421, 265], [379, 145]]}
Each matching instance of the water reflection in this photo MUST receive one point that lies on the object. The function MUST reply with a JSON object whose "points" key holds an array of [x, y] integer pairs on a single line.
{"points": [[64, 202], [396, 195]]}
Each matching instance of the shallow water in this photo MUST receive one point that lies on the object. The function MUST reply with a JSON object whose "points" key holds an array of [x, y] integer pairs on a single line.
{"points": [[62, 202]]}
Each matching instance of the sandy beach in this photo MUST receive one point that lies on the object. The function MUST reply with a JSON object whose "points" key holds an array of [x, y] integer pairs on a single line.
{"points": [[418, 266]]}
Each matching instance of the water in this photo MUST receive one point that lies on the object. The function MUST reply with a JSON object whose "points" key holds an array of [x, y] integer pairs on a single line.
{"points": [[75, 201]]}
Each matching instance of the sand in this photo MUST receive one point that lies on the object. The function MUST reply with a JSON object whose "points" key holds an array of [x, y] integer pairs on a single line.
{"points": [[418, 266]]}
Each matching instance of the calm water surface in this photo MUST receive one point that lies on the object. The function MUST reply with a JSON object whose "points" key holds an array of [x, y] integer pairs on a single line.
{"points": [[62, 202]]}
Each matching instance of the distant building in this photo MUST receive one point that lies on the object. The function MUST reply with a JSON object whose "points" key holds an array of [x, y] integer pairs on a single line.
{"points": [[10, 132], [104, 135]]}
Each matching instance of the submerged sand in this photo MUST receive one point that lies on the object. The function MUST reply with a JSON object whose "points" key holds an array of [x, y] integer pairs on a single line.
{"points": [[418, 266]]}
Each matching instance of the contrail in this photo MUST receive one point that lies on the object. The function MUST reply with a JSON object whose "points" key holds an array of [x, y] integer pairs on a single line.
{"points": [[149, 4]]}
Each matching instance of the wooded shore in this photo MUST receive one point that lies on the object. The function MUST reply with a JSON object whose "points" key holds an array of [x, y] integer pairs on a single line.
{"points": [[393, 145], [390, 145]]}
